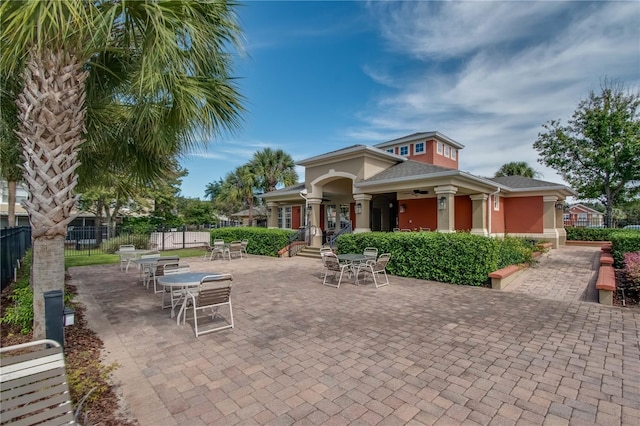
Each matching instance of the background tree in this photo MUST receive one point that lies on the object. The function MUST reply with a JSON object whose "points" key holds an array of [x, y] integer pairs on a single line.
{"points": [[145, 72], [194, 211], [517, 168], [239, 187], [10, 150], [212, 190], [273, 167], [597, 152]]}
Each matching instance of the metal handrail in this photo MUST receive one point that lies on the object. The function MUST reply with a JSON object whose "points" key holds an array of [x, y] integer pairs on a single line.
{"points": [[346, 229]]}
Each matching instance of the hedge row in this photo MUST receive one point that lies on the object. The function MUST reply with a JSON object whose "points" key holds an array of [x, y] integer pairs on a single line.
{"points": [[623, 242], [590, 234], [458, 258], [262, 241]]}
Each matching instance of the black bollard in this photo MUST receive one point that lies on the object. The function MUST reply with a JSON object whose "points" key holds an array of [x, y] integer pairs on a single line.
{"points": [[53, 317]]}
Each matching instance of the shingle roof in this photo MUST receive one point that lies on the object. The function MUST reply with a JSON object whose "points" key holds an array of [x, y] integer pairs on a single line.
{"points": [[294, 189], [407, 169], [521, 182], [257, 211]]}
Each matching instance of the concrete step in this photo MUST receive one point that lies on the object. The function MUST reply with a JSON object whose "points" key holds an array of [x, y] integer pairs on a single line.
{"points": [[310, 252]]}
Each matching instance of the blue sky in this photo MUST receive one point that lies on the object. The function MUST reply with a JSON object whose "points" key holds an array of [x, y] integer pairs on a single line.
{"points": [[319, 76]]}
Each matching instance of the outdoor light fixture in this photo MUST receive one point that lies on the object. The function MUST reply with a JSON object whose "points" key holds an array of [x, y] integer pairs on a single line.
{"points": [[559, 205], [69, 316], [390, 205], [403, 208], [442, 203], [358, 208]]}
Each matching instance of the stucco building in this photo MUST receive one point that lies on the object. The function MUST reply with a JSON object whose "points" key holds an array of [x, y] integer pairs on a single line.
{"points": [[414, 183]]}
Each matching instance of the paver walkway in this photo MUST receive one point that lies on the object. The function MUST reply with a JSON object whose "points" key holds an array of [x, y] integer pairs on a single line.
{"points": [[415, 352], [561, 274]]}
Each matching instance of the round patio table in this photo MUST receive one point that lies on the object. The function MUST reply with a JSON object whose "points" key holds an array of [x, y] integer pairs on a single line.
{"points": [[183, 281]]}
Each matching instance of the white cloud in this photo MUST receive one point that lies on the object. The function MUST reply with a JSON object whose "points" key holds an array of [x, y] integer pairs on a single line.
{"points": [[489, 74]]}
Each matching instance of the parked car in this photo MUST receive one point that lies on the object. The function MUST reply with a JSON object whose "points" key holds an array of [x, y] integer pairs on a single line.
{"points": [[636, 227]]}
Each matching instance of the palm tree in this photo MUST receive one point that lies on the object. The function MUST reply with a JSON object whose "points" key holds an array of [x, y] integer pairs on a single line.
{"points": [[212, 189], [138, 77], [517, 168], [239, 186], [272, 168]]}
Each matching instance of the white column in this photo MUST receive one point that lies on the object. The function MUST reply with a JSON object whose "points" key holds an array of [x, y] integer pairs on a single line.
{"points": [[446, 218], [363, 219]]}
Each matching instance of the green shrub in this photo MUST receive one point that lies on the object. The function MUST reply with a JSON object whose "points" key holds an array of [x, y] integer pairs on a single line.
{"points": [[20, 313], [622, 242], [140, 241], [589, 234], [262, 241], [458, 258]]}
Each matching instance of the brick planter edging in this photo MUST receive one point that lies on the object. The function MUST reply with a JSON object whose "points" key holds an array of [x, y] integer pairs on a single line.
{"points": [[503, 277], [606, 283]]}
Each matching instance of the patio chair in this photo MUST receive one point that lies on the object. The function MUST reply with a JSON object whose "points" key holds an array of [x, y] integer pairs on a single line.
{"points": [[213, 293], [235, 249], [376, 268], [333, 265], [126, 258], [158, 271], [218, 249], [370, 253], [171, 269], [243, 248], [324, 250]]}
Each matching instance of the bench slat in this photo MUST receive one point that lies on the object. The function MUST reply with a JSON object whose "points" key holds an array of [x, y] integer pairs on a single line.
{"points": [[16, 371], [37, 395], [17, 359], [53, 407], [15, 392]]}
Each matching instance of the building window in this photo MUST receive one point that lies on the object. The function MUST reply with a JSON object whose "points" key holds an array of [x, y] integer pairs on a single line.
{"points": [[583, 219], [284, 218], [418, 148], [404, 150], [440, 148], [447, 151], [496, 202], [391, 150], [453, 153]]}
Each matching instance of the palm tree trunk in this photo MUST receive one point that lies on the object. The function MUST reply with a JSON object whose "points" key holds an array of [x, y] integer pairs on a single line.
{"points": [[11, 212], [51, 115]]}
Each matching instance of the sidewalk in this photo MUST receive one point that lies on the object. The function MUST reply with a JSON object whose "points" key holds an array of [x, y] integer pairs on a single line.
{"points": [[415, 352], [566, 273]]}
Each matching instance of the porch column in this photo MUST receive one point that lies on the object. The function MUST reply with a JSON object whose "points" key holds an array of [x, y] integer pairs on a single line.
{"points": [[562, 233], [314, 221], [445, 201], [272, 217], [479, 214], [363, 220], [550, 232]]}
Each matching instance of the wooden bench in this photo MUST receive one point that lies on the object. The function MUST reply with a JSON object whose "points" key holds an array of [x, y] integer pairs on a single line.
{"points": [[33, 384]]}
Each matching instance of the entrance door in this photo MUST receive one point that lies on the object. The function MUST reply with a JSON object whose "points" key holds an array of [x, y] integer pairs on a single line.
{"points": [[376, 219]]}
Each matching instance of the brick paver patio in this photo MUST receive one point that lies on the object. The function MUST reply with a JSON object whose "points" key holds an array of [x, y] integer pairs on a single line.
{"points": [[415, 352]]}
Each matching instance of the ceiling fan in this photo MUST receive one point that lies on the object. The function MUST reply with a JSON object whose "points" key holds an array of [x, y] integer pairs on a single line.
{"points": [[417, 192]]}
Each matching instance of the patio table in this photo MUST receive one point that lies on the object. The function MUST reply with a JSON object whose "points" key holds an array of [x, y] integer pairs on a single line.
{"points": [[183, 282], [147, 263], [355, 259]]}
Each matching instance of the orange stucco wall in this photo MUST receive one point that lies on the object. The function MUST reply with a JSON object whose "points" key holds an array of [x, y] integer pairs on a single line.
{"points": [[295, 217], [497, 216], [463, 216], [523, 214], [431, 155], [418, 213]]}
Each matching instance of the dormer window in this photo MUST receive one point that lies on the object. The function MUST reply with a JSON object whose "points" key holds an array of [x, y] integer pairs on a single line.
{"points": [[440, 148], [404, 150], [418, 148], [453, 153], [391, 150], [447, 151]]}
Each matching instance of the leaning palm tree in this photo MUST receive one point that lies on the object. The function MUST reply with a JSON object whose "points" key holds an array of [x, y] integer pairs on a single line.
{"points": [[110, 80], [517, 168], [272, 168]]}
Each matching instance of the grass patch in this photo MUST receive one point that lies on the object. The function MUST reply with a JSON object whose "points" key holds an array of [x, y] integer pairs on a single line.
{"points": [[107, 259]]}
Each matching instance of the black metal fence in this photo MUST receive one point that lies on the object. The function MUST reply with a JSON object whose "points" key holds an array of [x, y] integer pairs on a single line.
{"points": [[14, 242]]}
